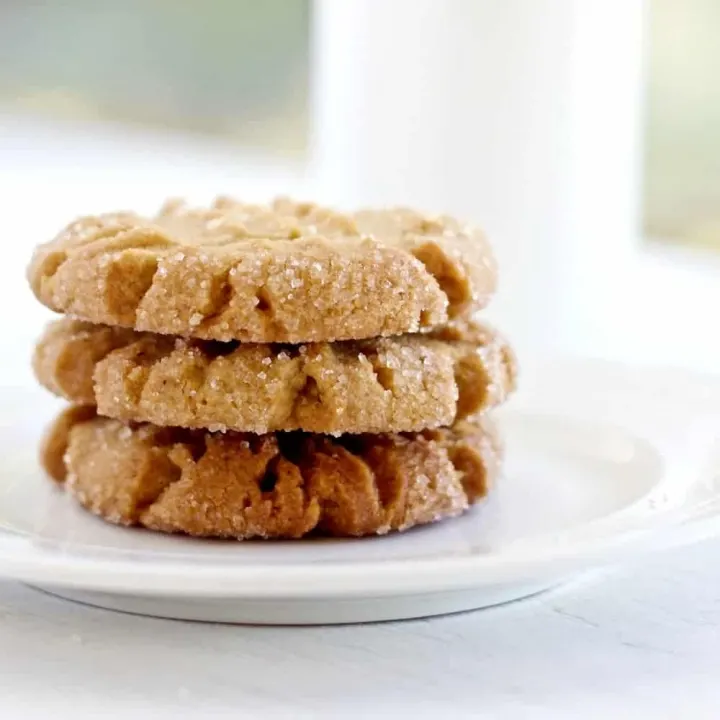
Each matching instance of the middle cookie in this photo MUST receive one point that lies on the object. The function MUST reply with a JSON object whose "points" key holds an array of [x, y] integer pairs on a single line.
{"points": [[398, 384]]}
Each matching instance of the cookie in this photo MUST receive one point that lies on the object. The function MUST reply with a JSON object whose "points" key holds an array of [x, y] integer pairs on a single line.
{"points": [[403, 383], [284, 485], [288, 272]]}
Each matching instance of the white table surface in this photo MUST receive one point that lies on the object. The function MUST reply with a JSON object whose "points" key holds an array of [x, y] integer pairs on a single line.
{"points": [[633, 642]]}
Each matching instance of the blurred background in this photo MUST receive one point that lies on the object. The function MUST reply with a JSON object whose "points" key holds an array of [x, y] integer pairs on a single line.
{"points": [[582, 134]]}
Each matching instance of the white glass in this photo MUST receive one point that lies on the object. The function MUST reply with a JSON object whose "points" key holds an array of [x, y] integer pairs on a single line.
{"points": [[521, 115]]}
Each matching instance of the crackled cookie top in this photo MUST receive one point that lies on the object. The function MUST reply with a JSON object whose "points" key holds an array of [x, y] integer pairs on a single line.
{"points": [[243, 486], [403, 383], [287, 272]]}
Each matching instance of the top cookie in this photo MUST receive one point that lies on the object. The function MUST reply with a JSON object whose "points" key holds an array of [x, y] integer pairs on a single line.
{"points": [[288, 272]]}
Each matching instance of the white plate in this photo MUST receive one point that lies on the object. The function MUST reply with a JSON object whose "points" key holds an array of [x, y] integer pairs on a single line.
{"points": [[579, 490]]}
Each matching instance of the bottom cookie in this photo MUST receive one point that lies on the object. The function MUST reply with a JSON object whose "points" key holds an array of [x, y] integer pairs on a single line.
{"points": [[281, 485]]}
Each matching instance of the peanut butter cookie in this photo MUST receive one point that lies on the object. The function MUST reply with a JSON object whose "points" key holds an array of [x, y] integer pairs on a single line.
{"points": [[404, 383], [287, 272], [282, 485]]}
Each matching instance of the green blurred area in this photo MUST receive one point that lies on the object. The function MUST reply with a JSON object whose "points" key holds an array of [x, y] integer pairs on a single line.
{"points": [[682, 132], [232, 67]]}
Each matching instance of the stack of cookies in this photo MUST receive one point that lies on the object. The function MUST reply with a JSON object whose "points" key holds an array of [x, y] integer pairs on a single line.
{"points": [[271, 371]]}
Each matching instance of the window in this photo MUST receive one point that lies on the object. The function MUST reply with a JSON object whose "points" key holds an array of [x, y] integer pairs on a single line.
{"points": [[234, 68], [682, 135]]}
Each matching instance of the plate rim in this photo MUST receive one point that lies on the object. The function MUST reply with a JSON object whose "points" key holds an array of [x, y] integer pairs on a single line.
{"points": [[418, 576]]}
